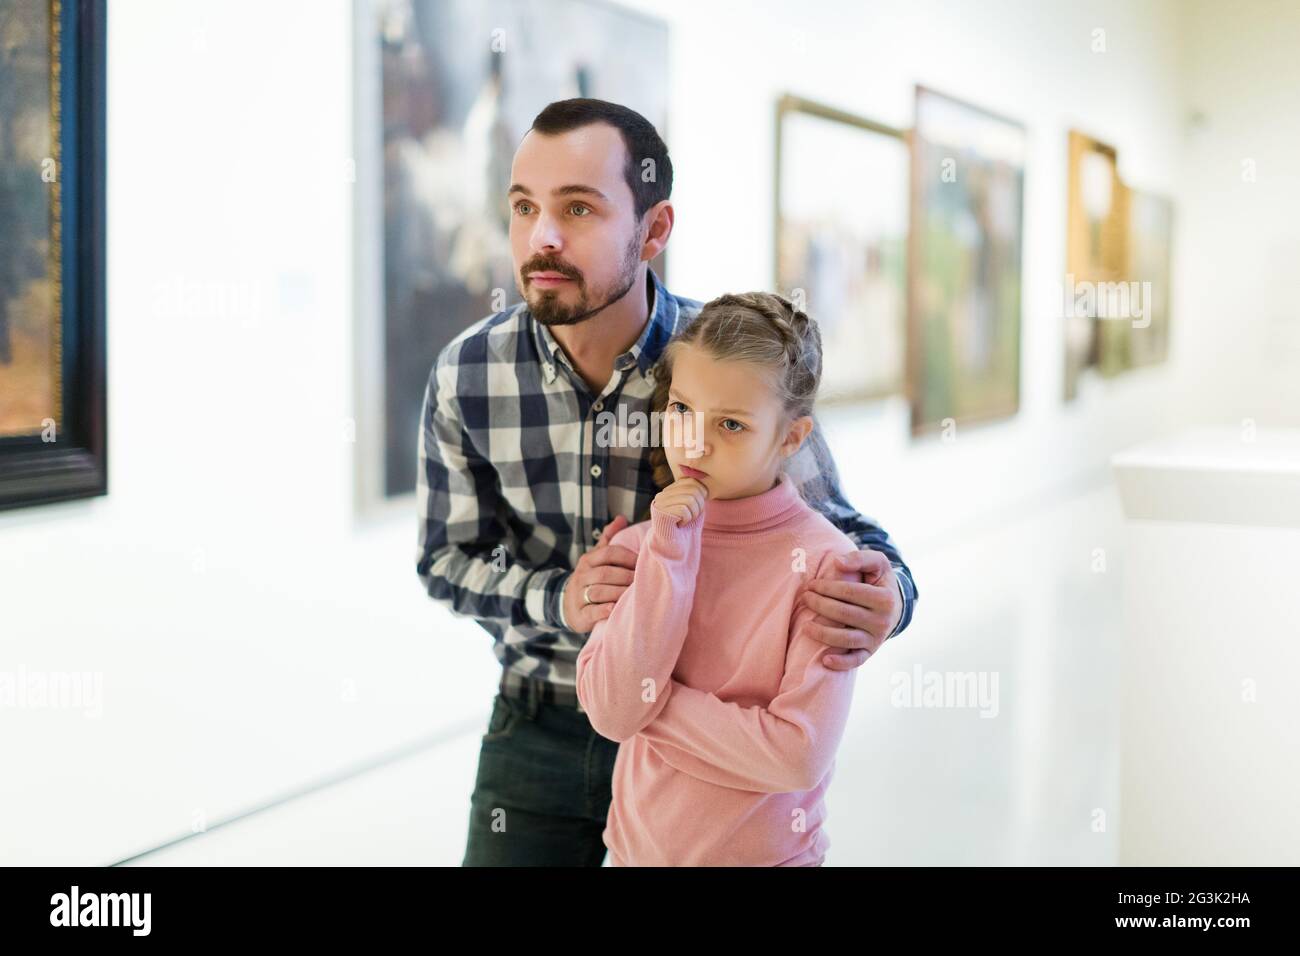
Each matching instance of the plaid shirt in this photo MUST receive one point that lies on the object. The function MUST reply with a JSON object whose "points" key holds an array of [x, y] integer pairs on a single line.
{"points": [[513, 485]]}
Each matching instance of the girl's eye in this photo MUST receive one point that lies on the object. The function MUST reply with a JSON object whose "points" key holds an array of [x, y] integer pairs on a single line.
{"points": [[740, 427]]}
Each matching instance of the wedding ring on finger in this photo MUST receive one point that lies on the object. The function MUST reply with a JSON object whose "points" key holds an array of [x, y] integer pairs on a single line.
{"points": [[586, 599]]}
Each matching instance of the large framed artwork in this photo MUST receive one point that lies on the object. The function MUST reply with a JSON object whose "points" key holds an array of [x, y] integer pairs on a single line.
{"points": [[845, 260], [445, 91], [964, 266], [53, 437]]}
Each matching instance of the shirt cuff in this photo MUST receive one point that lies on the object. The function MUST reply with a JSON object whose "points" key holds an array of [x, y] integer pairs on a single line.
{"points": [[564, 621], [902, 596], [544, 600]]}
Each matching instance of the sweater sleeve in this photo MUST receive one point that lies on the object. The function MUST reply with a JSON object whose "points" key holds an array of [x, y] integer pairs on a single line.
{"points": [[787, 746], [625, 669]]}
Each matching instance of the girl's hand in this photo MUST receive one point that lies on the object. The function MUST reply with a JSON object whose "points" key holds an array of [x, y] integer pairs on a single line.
{"points": [[684, 498]]}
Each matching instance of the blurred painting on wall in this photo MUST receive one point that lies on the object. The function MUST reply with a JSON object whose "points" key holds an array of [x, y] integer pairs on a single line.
{"points": [[29, 326], [1138, 334], [52, 362], [844, 262], [964, 268], [1096, 253], [446, 91]]}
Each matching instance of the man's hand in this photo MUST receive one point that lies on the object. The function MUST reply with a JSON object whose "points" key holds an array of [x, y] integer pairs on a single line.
{"points": [[854, 618], [684, 498], [608, 569]]}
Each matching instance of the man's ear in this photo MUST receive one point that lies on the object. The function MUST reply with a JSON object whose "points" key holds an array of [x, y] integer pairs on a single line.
{"points": [[658, 220]]}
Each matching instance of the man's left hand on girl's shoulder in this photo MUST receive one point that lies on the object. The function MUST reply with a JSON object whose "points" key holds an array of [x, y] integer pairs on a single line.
{"points": [[855, 617]]}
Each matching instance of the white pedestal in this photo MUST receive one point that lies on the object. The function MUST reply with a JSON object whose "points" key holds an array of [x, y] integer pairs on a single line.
{"points": [[1210, 689]]}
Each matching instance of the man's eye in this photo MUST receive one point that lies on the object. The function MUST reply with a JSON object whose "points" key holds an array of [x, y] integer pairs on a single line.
{"points": [[521, 208], [584, 209]]}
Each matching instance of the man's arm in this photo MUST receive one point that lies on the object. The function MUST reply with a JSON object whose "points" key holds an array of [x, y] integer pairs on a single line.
{"points": [[819, 482], [462, 524]]}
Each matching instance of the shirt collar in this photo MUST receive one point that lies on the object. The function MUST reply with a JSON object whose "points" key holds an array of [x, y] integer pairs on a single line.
{"points": [[645, 351]]}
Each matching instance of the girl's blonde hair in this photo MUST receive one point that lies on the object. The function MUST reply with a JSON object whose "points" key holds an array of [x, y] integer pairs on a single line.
{"points": [[766, 330]]}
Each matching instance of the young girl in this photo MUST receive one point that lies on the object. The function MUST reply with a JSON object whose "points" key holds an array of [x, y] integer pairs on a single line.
{"points": [[704, 671]]}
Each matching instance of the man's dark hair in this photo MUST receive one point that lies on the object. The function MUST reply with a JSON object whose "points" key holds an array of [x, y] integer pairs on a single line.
{"points": [[639, 136]]}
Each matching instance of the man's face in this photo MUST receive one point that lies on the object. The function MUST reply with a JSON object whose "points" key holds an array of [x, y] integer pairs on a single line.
{"points": [[722, 419], [574, 237]]}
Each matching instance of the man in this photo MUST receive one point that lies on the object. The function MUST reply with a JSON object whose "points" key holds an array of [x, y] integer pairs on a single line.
{"points": [[519, 497]]}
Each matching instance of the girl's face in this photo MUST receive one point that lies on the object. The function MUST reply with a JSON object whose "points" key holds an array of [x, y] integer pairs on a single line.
{"points": [[724, 420]]}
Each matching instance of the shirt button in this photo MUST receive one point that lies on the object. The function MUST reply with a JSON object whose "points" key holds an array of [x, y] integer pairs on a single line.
{"points": [[595, 471], [595, 534], [599, 405]]}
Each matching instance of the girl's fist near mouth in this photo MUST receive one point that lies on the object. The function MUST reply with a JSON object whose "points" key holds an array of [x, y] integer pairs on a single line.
{"points": [[684, 498]]}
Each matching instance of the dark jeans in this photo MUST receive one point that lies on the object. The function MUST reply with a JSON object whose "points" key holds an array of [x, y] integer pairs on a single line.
{"points": [[543, 788]]}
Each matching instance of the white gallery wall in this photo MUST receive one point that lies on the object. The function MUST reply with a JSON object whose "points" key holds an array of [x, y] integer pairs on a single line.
{"points": [[255, 636]]}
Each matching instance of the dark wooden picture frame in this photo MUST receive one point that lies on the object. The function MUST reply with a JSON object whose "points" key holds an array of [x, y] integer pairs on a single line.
{"points": [[69, 459]]}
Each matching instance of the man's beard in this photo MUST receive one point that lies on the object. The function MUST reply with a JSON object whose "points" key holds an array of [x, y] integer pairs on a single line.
{"points": [[549, 309]]}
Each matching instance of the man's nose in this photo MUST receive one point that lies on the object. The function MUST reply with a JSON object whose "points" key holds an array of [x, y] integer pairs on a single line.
{"points": [[546, 237]]}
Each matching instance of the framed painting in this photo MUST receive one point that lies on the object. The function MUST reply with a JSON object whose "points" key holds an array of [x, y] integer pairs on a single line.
{"points": [[53, 438], [1097, 224], [964, 265], [1150, 258], [445, 91], [845, 261], [1139, 334]]}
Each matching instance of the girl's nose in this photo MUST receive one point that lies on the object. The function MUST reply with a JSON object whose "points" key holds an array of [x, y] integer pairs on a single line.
{"points": [[697, 443]]}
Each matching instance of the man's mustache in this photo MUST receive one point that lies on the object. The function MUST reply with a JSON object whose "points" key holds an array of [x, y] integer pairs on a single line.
{"points": [[542, 265]]}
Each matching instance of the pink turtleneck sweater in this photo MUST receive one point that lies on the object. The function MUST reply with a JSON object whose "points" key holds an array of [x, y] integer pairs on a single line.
{"points": [[705, 674]]}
